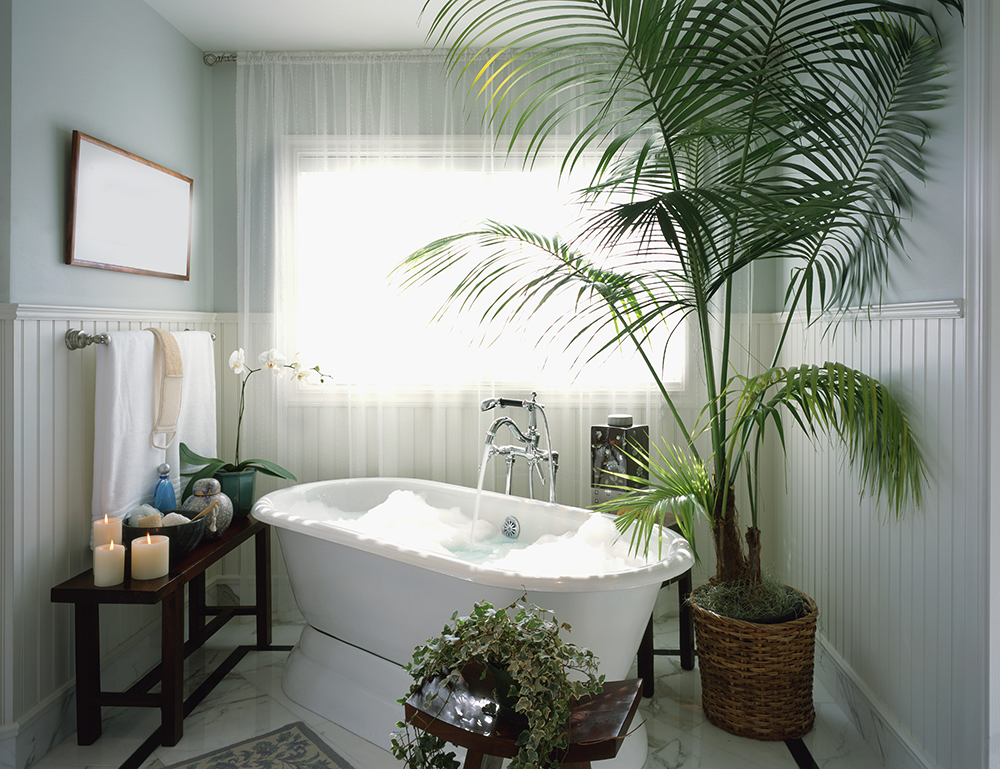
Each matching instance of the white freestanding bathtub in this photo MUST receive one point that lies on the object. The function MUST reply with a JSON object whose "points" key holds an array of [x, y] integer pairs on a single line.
{"points": [[368, 602]]}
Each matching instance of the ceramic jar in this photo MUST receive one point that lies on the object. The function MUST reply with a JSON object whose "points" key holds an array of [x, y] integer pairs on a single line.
{"points": [[207, 491]]}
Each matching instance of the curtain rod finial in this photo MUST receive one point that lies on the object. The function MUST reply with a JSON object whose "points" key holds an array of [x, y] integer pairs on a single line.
{"points": [[211, 59]]}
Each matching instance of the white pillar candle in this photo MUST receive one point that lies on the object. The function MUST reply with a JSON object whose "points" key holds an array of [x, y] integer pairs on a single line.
{"points": [[109, 565], [107, 531], [150, 557]]}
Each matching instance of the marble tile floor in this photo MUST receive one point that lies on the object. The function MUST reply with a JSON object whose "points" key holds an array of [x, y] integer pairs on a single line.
{"points": [[249, 701]]}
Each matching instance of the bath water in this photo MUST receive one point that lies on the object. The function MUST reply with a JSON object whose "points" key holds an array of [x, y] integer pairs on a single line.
{"points": [[406, 518]]}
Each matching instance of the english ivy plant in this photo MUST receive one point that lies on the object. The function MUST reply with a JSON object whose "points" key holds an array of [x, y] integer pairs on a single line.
{"points": [[525, 640]]}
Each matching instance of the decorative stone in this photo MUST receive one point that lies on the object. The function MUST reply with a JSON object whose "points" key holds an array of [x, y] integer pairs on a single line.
{"points": [[207, 491]]}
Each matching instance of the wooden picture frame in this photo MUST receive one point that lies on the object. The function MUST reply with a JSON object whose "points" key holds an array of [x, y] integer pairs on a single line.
{"points": [[127, 213]]}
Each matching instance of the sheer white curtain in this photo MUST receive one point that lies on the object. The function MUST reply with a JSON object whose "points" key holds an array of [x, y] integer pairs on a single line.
{"points": [[291, 109]]}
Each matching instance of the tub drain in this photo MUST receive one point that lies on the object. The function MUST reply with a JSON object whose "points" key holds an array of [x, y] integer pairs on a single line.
{"points": [[511, 528]]}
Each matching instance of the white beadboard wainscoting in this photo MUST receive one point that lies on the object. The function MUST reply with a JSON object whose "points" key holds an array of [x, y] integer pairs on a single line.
{"points": [[46, 461], [902, 623], [902, 627]]}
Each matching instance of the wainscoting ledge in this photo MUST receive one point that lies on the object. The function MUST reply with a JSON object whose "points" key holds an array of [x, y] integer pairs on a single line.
{"points": [[52, 312], [947, 308]]}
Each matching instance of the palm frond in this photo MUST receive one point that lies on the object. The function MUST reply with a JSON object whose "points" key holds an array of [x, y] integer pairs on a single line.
{"points": [[675, 487], [849, 404], [508, 270], [728, 132]]}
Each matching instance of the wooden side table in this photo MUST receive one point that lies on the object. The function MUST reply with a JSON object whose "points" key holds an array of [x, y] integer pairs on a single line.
{"points": [[686, 650], [598, 723], [169, 593]]}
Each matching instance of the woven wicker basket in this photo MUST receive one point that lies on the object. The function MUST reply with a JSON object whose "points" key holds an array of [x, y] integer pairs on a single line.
{"points": [[757, 679]]}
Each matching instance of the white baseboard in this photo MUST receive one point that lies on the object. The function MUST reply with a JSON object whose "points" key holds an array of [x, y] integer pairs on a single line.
{"points": [[27, 740], [880, 729]]}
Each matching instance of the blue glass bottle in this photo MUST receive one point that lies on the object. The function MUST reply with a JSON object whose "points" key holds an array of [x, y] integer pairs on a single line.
{"points": [[164, 498]]}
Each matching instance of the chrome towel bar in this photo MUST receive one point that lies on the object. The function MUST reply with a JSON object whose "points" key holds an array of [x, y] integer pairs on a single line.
{"points": [[77, 339]]}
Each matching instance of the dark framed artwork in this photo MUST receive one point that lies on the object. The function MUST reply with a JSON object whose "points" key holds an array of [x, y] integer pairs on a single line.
{"points": [[127, 213]]}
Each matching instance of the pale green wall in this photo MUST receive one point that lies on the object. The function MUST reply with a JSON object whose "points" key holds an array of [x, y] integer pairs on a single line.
{"points": [[116, 70], [935, 236], [931, 266], [223, 117]]}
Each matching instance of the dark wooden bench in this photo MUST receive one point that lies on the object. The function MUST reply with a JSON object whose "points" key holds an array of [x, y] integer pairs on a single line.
{"points": [[167, 591]]}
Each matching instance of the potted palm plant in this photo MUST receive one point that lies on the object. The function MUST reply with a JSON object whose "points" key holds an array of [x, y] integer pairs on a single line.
{"points": [[731, 132]]}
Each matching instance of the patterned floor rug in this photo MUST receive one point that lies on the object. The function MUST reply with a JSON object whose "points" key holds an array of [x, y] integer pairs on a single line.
{"points": [[295, 745]]}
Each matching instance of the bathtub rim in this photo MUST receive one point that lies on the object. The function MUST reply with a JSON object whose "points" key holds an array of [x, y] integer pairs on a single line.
{"points": [[677, 559]]}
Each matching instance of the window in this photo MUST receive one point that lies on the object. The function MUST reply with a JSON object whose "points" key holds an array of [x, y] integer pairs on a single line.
{"points": [[360, 211]]}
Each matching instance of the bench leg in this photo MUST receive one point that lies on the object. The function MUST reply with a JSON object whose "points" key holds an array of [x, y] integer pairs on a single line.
{"points": [[88, 672], [172, 651], [197, 610], [262, 562]]}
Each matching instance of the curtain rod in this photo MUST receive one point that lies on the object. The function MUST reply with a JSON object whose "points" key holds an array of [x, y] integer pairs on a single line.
{"points": [[422, 54]]}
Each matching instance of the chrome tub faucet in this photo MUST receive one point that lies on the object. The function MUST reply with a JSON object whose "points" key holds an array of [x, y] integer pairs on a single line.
{"points": [[527, 443]]}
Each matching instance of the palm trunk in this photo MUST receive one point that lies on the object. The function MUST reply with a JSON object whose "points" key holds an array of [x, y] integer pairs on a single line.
{"points": [[730, 563], [753, 547]]}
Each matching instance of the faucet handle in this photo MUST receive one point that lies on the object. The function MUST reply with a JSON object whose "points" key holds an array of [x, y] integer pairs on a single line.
{"points": [[492, 403]]}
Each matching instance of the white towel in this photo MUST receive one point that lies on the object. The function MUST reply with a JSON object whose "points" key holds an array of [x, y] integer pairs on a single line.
{"points": [[124, 461], [168, 383], [125, 464], [196, 425]]}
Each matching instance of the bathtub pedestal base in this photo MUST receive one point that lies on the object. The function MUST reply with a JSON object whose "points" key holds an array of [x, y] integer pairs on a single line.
{"points": [[360, 691], [346, 685]]}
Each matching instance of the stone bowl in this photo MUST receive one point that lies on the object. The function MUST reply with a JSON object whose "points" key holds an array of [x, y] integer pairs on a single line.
{"points": [[184, 537]]}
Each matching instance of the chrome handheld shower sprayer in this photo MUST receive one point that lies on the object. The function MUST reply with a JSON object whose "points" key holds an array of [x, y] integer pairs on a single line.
{"points": [[527, 441]]}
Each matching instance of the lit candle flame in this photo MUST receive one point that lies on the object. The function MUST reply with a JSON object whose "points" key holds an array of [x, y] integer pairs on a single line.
{"points": [[106, 518], [112, 544], [149, 540]]}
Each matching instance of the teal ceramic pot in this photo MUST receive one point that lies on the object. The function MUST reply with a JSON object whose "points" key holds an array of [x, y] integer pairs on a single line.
{"points": [[239, 487], [207, 491]]}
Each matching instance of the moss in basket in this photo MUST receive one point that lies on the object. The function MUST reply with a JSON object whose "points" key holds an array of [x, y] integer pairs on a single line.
{"points": [[764, 601]]}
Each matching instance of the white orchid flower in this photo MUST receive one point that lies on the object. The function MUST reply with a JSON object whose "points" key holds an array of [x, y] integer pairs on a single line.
{"points": [[302, 371], [273, 360], [237, 361]]}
